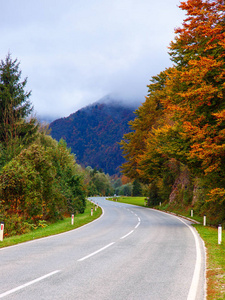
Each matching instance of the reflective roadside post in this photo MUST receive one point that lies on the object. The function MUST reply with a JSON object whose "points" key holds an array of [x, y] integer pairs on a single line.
{"points": [[204, 221], [219, 234], [1, 231], [72, 219]]}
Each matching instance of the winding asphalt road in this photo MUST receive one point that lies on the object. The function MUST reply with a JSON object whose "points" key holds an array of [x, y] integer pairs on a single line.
{"points": [[129, 253]]}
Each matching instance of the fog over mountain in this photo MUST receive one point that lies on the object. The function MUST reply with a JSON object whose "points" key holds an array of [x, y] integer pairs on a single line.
{"points": [[75, 52]]}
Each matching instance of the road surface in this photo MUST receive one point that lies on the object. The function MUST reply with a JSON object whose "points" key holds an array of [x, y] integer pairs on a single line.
{"points": [[129, 253]]}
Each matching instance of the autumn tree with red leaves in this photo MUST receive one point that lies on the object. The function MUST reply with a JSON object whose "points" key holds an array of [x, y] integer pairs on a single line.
{"points": [[196, 88], [191, 126]]}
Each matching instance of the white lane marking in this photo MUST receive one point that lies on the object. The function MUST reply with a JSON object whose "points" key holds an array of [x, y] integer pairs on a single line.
{"points": [[195, 280], [196, 276], [123, 237], [27, 284], [192, 294], [93, 253], [137, 225], [139, 222]]}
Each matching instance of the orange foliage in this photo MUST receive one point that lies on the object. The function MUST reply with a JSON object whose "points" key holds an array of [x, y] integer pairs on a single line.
{"points": [[195, 86], [183, 116], [125, 179]]}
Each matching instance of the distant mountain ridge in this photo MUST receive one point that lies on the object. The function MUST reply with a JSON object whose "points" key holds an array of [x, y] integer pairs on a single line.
{"points": [[93, 133]]}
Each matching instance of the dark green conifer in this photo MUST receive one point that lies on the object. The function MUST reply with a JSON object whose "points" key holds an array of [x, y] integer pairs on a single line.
{"points": [[14, 100], [15, 107]]}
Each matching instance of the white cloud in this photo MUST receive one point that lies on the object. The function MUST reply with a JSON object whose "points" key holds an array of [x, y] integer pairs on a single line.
{"points": [[75, 52]]}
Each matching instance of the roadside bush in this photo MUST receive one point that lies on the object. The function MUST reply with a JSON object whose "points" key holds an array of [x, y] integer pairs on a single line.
{"points": [[41, 183]]}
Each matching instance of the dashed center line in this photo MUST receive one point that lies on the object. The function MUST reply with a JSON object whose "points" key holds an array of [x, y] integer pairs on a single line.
{"points": [[93, 253], [107, 246], [27, 284], [137, 225], [123, 237]]}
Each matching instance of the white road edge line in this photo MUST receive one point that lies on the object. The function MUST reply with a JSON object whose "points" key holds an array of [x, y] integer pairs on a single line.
{"points": [[103, 248], [123, 237], [195, 279], [196, 276], [27, 284]]}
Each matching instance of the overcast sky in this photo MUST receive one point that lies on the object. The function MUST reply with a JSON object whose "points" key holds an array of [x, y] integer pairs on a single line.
{"points": [[75, 52]]}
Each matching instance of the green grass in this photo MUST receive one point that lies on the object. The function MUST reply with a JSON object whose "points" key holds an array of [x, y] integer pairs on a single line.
{"points": [[181, 211], [55, 228], [140, 201], [215, 262]]}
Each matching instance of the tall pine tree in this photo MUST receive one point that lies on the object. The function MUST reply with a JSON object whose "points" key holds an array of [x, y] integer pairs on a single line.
{"points": [[15, 106]]}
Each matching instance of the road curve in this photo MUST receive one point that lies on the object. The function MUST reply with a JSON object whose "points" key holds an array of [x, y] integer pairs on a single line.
{"points": [[129, 253]]}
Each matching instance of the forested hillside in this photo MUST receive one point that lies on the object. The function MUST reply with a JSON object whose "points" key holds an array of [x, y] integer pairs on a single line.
{"points": [[178, 141], [93, 134]]}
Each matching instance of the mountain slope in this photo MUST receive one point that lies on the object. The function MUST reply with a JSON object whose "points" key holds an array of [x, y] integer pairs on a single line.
{"points": [[93, 134]]}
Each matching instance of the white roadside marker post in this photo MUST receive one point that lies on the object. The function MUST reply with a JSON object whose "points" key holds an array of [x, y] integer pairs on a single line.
{"points": [[219, 234], [1, 231], [204, 221], [91, 211], [192, 213], [72, 219]]}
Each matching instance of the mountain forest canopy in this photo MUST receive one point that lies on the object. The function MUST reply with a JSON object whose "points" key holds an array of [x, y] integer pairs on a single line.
{"points": [[177, 145], [93, 134]]}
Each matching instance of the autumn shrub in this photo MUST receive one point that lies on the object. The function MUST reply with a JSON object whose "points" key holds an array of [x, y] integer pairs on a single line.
{"points": [[40, 184], [15, 224]]}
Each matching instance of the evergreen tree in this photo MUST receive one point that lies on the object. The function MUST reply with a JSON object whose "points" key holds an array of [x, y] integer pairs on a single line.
{"points": [[15, 106], [137, 190]]}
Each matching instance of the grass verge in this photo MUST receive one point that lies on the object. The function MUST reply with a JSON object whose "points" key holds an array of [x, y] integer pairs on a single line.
{"points": [[140, 201], [215, 272], [55, 228], [176, 209]]}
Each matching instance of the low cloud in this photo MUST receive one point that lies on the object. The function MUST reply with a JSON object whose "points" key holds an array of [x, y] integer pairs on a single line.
{"points": [[74, 52]]}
